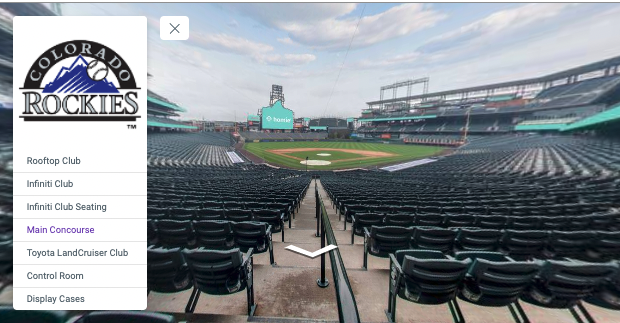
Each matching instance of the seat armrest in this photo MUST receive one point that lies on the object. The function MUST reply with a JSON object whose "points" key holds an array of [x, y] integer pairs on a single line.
{"points": [[269, 229], [247, 257], [396, 264], [366, 232]]}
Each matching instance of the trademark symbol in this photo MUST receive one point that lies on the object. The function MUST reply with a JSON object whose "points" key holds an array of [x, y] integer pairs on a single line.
{"points": [[132, 126]]}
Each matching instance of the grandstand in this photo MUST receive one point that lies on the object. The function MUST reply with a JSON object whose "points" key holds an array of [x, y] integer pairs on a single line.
{"points": [[160, 112], [553, 103], [274, 136]]}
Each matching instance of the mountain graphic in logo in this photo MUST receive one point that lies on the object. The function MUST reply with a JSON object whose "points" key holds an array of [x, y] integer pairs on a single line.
{"points": [[75, 79]]}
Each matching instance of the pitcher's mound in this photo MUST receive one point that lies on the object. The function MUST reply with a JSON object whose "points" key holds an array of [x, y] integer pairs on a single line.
{"points": [[323, 154], [313, 162]]}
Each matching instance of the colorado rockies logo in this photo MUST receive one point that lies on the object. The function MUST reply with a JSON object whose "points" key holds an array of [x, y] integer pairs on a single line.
{"points": [[80, 80]]}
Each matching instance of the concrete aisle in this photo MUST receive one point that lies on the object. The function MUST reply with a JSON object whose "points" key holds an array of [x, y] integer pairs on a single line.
{"points": [[285, 290]]}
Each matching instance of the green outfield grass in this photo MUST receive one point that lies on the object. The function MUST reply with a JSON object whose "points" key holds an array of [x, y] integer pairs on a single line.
{"points": [[401, 153]]}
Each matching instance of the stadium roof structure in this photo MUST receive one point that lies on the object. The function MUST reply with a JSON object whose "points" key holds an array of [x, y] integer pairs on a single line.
{"points": [[607, 63], [153, 123], [166, 104]]}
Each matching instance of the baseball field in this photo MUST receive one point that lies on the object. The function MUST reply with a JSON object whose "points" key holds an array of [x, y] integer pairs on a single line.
{"points": [[336, 155]]}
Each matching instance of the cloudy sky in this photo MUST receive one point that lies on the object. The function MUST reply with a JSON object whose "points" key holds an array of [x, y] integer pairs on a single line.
{"points": [[332, 58]]}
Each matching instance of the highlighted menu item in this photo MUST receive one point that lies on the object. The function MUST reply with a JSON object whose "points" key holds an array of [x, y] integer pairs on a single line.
{"points": [[79, 130]]}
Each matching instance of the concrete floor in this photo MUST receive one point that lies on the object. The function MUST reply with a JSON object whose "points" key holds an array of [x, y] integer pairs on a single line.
{"points": [[287, 291]]}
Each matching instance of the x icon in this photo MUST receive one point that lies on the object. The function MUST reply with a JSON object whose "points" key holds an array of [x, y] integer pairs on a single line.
{"points": [[175, 28]]}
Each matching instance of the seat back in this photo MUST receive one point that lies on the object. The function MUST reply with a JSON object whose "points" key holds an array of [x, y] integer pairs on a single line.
{"points": [[478, 239], [429, 220], [567, 244], [238, 215], [402, 220], [365, 220], [497, 222], [167, 271], [562, 283], [433, 238], [10, 315], [524, 244], [251, 235], [213, 234], [497, 282], [210, 214], [126, 317], [173, 233], [273, 217], [432, 280], [461, 220], [388, 239], [216, 272]]}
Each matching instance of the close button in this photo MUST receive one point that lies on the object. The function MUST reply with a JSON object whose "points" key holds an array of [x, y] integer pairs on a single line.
{"points": [[174, 28]]}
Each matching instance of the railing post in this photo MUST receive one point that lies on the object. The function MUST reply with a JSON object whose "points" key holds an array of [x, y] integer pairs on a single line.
{"points": [[322, 282], [318, 210]]}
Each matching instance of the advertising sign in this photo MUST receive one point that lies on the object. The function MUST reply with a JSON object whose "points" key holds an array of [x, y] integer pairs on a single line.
{"points": [[277, 117]]}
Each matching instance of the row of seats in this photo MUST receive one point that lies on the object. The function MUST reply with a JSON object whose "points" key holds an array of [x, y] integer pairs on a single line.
{"points": [[183, 148], [10, 315], [214, 272], [597, 246], [214, 235], [492, 279], [597, 221]]}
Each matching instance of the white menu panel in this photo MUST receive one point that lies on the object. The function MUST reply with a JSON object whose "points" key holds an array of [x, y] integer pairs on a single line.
{"points": [[80, 172]]}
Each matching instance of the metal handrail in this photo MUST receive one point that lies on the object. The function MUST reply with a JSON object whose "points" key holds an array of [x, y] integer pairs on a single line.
{"points": [[347, 307]]}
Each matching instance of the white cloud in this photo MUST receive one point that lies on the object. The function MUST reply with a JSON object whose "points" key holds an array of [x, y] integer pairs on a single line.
{"points": [[322, 26], [233, 23], [229, 44], [287, 41], [498, 24], [286, 59]]}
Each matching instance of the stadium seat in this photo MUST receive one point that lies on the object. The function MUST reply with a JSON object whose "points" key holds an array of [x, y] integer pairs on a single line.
{"points": [[477, 240], [174, 233], [210, 214], [401, 220], [381, 241], [167, 271], [275, 218], [496, 222], [425, 277], [213, 234], [218, 272], [524, 244], [457, 221], [496, 280], [253, 235], [563, 284], [125, 317], [605, 247], [429, 220], [569, 244], [238, 215], [364, 220], [9, 315], [433, 238]]}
